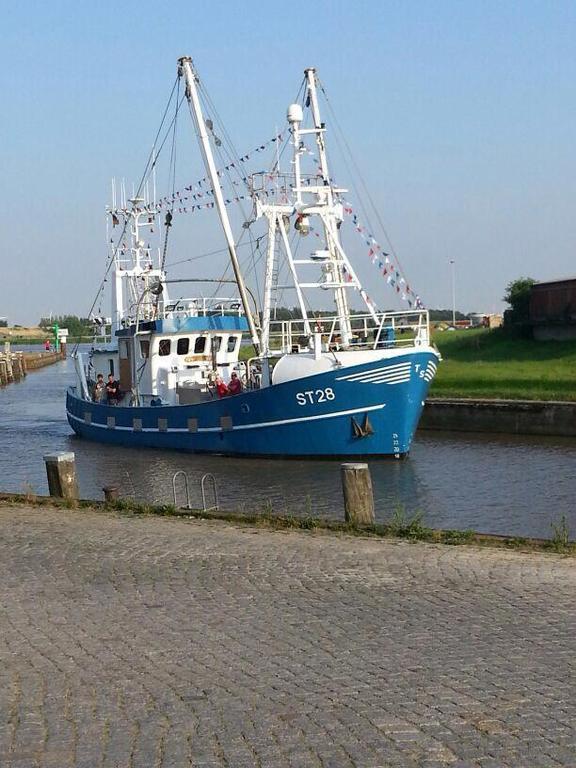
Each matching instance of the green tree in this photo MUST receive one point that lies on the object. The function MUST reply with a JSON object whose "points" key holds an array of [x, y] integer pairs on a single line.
{"points": [[77, 326], [437, 315], [518, 296]]}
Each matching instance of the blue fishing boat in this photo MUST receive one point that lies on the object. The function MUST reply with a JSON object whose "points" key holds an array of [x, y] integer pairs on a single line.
{"points": [[347, 384]]}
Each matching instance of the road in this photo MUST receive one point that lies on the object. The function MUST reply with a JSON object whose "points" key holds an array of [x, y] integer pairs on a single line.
{"points": [[140, 642]]}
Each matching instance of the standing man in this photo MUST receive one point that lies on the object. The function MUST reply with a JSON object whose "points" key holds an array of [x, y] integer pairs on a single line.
{"points": [[99, 389], [112, 390]]}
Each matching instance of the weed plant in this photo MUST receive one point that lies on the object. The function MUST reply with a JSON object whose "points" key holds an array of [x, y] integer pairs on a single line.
{"points": [[560, 541]]}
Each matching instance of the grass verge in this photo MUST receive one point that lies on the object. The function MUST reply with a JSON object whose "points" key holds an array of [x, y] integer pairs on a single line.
{"points": [[400, 526], [495, 364]]}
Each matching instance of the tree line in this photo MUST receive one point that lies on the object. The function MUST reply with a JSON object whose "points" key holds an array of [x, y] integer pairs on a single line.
{"points": [[77, 326]]}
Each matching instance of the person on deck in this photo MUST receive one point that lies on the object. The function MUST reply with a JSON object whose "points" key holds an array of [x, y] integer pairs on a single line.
{"points": [[235, 385], [99, 389], [221, 388], [112, 390]]}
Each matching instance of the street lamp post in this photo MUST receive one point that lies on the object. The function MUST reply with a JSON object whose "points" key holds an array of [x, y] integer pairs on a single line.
{"points": [[453, 263]]}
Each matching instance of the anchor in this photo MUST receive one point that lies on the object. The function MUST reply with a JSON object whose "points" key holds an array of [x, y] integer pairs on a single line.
{"points": [[364, 430]]}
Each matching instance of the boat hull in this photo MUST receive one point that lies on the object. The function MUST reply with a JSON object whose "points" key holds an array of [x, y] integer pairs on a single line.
{"points": [[366, 410]]}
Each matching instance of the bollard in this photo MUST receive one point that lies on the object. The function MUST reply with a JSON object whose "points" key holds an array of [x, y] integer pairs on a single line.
{"points": [[110, 492], [358, 496], [61, 472]]}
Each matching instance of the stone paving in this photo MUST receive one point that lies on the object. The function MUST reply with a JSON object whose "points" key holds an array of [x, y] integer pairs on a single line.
{"points": [[149, 642]]}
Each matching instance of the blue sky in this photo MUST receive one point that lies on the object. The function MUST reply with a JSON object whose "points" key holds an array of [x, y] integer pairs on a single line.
{"points": [[461, 116]]}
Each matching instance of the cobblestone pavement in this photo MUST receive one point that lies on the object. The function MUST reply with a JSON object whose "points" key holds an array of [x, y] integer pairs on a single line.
{"points": [[149, 642]]}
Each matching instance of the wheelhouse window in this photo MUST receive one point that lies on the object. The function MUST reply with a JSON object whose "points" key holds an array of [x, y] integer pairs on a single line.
{"points": [[216, 343], [231, 343], [183, 346], [164, 347], [145, 348], [200, 345]]}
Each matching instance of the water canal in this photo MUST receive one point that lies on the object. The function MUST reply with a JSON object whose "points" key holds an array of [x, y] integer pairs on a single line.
{"points": [[495, 484]]}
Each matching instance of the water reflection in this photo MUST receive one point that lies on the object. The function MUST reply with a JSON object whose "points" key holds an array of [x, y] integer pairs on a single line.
{"points": [[499, 484]]}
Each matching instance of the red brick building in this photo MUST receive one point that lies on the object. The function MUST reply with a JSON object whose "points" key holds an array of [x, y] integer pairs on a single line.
{"points": [[553, 309]]}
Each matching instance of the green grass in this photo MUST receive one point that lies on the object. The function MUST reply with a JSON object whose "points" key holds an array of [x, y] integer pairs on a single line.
{"points": [[400, 523], [493, 364]]}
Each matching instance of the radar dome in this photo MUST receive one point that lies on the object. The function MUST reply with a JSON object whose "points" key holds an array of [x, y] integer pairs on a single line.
{"points": [[295, 114]]}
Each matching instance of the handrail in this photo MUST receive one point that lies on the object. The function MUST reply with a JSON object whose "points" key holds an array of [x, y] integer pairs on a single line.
{"points": [[186, 488], [208, 476], [404, 328]]}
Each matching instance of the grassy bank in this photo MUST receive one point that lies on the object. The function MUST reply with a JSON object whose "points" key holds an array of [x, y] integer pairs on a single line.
{"points": [[491, 364], [16, 341], [400, 525]]}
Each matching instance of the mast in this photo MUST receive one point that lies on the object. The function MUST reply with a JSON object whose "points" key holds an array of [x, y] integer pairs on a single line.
{"points": [[334, 247], [191, 78], [311, 195]]}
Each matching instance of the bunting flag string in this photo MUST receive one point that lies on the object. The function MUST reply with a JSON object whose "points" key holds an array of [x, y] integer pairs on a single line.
{"points": [[384, 262], [201, 188], [380, 258]]}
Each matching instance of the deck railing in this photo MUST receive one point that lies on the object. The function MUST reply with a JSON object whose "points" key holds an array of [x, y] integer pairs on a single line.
{"points": [[201, 306], [409, 328]]}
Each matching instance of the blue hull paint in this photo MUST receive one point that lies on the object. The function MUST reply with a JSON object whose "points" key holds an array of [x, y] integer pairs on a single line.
{"points": [[273, 421]]}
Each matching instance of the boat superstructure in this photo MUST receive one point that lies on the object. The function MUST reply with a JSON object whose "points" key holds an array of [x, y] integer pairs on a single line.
{"points": [[348, 383]]}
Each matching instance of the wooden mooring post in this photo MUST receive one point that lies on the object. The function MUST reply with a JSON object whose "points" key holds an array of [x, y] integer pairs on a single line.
{"points": [[61, 472], [12, 365], [15, 365], [358, 495], [111, 492]]}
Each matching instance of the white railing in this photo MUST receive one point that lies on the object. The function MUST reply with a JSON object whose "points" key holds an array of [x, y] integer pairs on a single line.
{"points": [[408, 328], [182, 308], [201, 307]]}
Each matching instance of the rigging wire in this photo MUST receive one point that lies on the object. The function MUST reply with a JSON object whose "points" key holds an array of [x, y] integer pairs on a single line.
{"points": [[169, 212], [216, 252], [227, 146], [151, 162], [230, 161], [361, 178], [172, 172]]}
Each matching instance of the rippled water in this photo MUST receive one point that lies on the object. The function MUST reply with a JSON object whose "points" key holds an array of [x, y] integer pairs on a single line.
{"points": [[496, 484]]}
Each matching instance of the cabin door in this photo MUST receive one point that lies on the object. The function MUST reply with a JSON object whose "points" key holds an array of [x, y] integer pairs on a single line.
{"points": [[125, 353]]}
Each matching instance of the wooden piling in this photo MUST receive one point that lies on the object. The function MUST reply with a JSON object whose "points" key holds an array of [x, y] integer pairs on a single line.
{"points": [[61, 472], [358, 495], [16, 367]]}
